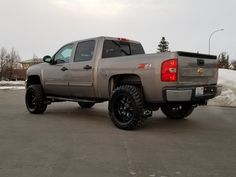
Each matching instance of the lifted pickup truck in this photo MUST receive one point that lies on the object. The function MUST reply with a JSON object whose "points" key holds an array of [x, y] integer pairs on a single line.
{"points": [[118, 70]]}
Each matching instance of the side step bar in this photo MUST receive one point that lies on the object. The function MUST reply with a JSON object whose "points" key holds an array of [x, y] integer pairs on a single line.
{"points": [[50, 99]]}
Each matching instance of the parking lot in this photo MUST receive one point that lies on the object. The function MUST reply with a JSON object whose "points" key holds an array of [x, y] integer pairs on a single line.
{"points": [[68, 141]]}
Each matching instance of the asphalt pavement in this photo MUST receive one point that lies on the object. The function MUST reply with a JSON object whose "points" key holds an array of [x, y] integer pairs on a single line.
{"points": [[67, 141]]}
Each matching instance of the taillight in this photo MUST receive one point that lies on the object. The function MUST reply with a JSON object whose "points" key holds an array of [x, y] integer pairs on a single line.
{"points": [[123, 39], [169, 70]]}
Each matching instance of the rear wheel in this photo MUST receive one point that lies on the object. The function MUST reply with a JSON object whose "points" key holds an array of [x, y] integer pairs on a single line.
{"points": [[84, 104], [177, 111], [34, 99], [152, 107], [126, 107]]}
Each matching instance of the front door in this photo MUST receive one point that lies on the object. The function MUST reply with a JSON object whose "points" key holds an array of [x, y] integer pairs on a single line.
{"points": [[81, 83], [56, 75]]}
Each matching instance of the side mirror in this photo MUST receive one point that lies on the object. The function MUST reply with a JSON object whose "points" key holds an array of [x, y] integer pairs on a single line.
{"points": [[47, 59]]}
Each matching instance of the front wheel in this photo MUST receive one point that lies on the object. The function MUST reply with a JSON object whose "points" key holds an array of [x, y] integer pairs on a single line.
{"points": [[126, 107], [34, 99], [177, 111]]}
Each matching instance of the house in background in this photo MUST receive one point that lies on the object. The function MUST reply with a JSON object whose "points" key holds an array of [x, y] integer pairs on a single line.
{"points": [[27, 63], [18, 69]]}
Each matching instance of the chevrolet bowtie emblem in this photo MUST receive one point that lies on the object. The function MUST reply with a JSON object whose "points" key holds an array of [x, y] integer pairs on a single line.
{"points": [[200, 70]]}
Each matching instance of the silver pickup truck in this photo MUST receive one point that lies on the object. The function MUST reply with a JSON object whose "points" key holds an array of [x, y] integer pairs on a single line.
{"points": [[118, 70]]}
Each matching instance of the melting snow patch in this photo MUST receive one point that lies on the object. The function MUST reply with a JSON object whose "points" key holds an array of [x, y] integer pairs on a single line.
{"points": [[227, 98], [12, 87], [12, 83], [227, 78]]}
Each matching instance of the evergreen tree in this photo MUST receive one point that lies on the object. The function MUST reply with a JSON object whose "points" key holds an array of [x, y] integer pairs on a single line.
{"points": [[163, 45], [223, 60]]}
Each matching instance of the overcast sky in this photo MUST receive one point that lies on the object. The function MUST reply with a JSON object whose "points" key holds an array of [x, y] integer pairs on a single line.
{"points": [[43, 26]]}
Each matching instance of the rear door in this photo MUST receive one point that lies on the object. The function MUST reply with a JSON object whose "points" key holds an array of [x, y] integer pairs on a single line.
{"points": [[81, 82], [197, 69]]}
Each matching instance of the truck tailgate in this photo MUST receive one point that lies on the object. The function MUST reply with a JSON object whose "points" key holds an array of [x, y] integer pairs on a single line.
{"points": [[196, 69]]}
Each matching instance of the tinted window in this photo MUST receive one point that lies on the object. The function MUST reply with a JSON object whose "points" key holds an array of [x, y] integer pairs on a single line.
{"points": [[136, 49], [64, 54], [84, 51], [110, 49], [113, 48]]}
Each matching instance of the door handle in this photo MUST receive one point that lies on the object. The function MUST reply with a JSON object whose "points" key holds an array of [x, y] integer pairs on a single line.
{"points": [[64, 68], [87, 67]]}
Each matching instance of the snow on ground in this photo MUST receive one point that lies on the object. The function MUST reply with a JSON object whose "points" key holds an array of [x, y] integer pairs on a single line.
{"points": [[12, 85], [227, 78]]}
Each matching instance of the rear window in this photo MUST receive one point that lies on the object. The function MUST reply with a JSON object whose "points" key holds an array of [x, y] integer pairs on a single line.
{"points": [[112, 48]]}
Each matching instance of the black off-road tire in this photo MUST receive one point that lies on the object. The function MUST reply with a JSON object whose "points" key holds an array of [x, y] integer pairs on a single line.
{"points": [[177, 111], [84, 104], [126, 107], [34, 99]]}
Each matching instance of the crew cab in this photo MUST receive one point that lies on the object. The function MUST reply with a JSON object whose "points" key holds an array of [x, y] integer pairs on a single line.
{"points": [[117, 70]]}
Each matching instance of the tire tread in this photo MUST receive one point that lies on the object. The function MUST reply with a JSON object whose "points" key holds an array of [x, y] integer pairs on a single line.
{"points": [[137, 96], [41, 106]]}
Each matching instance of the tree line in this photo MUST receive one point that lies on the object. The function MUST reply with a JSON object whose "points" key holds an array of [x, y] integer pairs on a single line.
{"points": [[8, 64], [225, 63], [223, 59]]}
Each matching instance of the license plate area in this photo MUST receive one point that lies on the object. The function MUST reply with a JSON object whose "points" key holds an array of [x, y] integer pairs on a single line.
{"points": [[199, 91]]}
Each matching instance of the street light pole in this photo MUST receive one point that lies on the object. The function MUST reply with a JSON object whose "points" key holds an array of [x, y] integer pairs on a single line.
{"points": [[209, 49]]}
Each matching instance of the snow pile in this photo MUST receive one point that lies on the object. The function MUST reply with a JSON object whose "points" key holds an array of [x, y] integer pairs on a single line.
{"points": [[12, 85], [227, 78]]}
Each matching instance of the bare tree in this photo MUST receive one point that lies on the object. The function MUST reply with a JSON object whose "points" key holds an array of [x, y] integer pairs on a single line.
{"points": [[3, 54], [12, 61], [36, 59]]}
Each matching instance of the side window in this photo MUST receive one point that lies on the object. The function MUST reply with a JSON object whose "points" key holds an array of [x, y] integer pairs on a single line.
{"points": [[136, 49], [125, 48], [64, 54], [110, 49], [113, 48], [84, 51]]}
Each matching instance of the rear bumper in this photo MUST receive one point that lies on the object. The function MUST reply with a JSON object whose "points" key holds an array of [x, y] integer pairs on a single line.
{"points": [[189, 94]]}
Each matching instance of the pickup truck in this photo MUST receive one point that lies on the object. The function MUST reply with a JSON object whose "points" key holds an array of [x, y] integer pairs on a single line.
{"points": [[117, 70]]}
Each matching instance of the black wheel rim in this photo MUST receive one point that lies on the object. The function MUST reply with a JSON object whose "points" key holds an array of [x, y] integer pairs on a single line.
{"points": [[175, 108], [124, 109], [31, 100]]}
